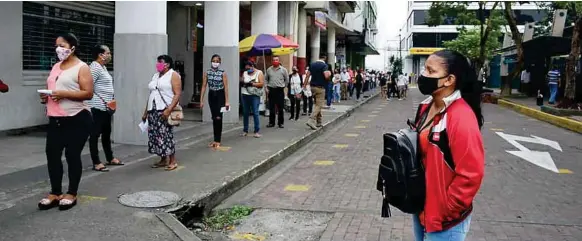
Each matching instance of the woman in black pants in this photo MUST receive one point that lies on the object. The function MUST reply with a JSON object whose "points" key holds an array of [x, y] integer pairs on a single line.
{"points": [[216, 80], [102, 107], [307, 100], [358, 85]]}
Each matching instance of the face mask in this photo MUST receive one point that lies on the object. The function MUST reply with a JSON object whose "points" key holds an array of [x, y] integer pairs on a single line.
{"points": [[215, 65], [250, 71], [160, 67], [63, 53], [276, 63], [106, 58], [428, 85]]}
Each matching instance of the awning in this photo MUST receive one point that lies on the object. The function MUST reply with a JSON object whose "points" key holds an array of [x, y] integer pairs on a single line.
{"points": [[540, 47], [339, 27]]}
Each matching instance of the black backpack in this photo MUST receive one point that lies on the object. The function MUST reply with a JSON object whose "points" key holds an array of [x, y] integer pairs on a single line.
{"points": [[401, 173]]}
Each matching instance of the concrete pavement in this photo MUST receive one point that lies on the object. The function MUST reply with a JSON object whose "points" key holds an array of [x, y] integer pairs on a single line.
{"points": [[99, 216], [336, 175]]}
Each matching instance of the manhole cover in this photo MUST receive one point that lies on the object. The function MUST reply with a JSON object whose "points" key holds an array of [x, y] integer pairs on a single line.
{"points": [[149, 199]]}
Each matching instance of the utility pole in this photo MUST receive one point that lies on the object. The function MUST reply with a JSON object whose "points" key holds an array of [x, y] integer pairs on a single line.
{"points": [[400, 44]]}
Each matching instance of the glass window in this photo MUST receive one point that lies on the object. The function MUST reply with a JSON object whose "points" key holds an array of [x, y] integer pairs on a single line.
{"points": [[522, 16], [42, 23], [431, 40]]}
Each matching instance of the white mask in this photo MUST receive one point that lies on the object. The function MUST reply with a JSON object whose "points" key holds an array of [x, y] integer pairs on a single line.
{"points": [[215, 65], [63, 53]]}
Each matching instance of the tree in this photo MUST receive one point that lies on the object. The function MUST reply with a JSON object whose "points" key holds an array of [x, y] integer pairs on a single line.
{"points": [[476, 44], [509, 15]]}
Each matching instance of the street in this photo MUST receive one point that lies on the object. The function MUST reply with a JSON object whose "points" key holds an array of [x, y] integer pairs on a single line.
{"points": [[326, 190]]}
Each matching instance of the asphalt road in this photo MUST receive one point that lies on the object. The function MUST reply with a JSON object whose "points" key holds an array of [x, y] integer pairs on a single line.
{"points": [[327, 189]]}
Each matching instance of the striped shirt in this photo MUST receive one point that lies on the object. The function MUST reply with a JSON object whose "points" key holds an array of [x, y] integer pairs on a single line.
{"points": [[553, 76], [102, 86]]}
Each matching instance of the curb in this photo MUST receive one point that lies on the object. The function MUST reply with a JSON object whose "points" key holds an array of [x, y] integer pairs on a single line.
{"points": [[177, 228], [219, 194], [558, 121]]}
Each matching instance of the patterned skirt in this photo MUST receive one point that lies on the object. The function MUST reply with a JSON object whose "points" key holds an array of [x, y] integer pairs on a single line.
{"points": [[161, 135]]}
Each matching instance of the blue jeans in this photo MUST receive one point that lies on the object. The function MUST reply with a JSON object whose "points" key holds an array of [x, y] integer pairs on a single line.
{"points": [[336, 92], [251, 102], [553, 92], [456, 233], [329, 93]]}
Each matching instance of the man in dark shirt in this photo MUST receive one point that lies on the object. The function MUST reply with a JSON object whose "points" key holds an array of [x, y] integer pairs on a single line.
{"points": [[320, 75]]}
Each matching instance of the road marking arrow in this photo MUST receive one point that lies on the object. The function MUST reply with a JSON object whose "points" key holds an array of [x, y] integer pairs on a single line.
{"points": [[541, 159]]}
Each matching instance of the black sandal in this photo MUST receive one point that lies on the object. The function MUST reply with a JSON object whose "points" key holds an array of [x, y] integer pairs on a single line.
{"points": [[64, 203], [118, 163], [49, 202], [102, 169]]}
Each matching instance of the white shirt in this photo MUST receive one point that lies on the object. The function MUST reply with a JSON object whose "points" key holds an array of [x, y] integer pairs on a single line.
{"points": [[345, 77], [165, 93], [248, 78], [401, 80], [102, 86], [295, 84], [525, 77]]}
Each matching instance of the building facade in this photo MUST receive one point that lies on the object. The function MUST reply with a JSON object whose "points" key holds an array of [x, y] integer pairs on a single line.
{"points": [[137, 32], [419, 40]]}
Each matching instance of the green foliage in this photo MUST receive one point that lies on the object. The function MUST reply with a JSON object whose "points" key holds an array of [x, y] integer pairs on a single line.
{"points": [[396, 65], [227, 217], [468, 41], [444, 12]]}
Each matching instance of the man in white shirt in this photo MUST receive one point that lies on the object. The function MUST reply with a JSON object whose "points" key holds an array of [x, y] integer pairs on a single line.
{"points": [[401, 83], [345, 77], [525, 78]]}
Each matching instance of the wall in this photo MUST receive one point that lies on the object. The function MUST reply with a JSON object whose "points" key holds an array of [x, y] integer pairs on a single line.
{"points": [[20, 107], [178, 30]]}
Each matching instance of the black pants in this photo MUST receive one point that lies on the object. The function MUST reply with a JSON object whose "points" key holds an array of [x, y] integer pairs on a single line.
{"points": [[69, 134], [307, 101], [295, 106], [351, 90], [101, 127], [276, 105], [216, 101], [358, 91], [394, 90]]}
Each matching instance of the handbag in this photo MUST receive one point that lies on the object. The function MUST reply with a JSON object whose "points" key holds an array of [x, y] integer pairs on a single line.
{"points": [[110, 106], [176, 115]]}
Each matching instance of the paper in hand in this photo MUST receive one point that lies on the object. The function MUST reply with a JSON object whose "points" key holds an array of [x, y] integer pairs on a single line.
{"points": [[224, 109], [143, 126]]}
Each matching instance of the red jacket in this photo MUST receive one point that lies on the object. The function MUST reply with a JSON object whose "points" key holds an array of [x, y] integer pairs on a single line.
{"points": [[454, 162]]}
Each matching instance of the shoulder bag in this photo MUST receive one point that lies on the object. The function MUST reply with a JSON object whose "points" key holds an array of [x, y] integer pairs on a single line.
{"points": [[176, 115]]}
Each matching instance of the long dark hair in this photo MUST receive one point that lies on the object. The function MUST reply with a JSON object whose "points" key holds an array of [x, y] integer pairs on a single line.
{"points": [[459, 66], [72, 40]]}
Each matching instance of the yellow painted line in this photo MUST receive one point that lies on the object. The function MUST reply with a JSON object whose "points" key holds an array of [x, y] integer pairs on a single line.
{"points": [[365, 121], [372, 115], [565, 171], [496, 129], [340, 146], [86, 198], [248, 236], [323, 163], [297, 188], [224, 148], [360, 127], [351, 135], [559, 121], [179, 168], [375, 112]]}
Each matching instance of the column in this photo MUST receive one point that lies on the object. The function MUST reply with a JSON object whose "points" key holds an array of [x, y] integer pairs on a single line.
{"points": [[331, 46], [315, 40], [302, 40], [264, 19], [140, 37], [221, 33]]}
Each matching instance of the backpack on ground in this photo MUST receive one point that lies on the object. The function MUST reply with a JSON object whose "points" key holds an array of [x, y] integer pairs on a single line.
{"points": [[401, 174]]}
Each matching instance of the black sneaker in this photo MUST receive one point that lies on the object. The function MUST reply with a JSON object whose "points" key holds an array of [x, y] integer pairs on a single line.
{"points": [[281, 126], [270, 125]]}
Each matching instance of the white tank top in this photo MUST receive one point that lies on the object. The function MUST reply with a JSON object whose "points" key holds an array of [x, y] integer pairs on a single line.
{"points": [[165, 93]]}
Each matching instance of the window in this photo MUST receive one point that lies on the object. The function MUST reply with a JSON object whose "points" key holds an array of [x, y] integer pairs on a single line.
{"points": [[42, 23], [431, 40], [522, 16]]}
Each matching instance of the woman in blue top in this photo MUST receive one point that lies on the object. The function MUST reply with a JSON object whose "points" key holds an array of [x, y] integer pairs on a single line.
{"points": [[217, 82]]}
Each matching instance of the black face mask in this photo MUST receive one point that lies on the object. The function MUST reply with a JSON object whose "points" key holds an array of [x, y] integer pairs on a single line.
{"points": [[428, 85]]}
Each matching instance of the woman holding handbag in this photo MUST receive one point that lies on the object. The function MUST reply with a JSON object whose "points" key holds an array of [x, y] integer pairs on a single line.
{"points": [[295, 93], [163, 112], [102, 108]]}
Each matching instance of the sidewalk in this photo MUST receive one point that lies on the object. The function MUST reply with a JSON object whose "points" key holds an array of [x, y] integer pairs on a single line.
{"points": [[527, 106], [204, 175]]}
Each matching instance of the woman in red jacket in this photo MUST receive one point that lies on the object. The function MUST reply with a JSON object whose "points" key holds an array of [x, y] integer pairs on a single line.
{"points": [[451, 146]]}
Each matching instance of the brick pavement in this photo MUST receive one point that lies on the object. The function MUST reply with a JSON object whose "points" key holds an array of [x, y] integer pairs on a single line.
{"points": [[518, 201]]}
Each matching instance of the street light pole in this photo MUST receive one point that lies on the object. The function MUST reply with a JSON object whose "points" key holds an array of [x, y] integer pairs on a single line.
{"points": [[399, 44]]}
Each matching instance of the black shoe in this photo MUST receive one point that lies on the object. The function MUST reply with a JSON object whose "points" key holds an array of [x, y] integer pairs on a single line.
{"points": [[291, 118], [304, 113], [281, 126], [270, 125]]}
